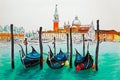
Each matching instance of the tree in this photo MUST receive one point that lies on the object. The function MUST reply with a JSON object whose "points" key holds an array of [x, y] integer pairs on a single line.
{"points": [[1, 28]]}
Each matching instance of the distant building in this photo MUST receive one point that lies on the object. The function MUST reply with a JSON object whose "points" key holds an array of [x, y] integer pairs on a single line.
{"points": [[76, 25], [18, 33], [109, 35], [56, 20], [79, 29]]}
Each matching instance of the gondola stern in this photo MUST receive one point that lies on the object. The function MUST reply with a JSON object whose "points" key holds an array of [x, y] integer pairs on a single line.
{"points": [[60, 51], [21, 51], [77, 53], [33, 49], [50, 53]]}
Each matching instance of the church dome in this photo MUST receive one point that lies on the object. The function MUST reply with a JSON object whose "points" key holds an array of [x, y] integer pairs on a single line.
{"points": [[76, 21]]}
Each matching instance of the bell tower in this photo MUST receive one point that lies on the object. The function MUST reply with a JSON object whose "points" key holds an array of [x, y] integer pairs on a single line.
{"points": [[56, 20]]}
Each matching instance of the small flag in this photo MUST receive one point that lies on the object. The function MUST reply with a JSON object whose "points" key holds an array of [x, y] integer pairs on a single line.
{"points": [[25, 41]]}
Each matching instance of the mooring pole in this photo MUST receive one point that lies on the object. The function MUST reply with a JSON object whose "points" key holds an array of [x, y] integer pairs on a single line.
{"points": [[54, 43], [67, 43], [41, 48], [83, 45], [26, 48], [97, 47], [12, 47], [70, 47], [25, 43]]}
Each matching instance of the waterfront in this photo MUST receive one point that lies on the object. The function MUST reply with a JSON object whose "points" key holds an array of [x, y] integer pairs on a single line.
{"points": [[109, 67]]}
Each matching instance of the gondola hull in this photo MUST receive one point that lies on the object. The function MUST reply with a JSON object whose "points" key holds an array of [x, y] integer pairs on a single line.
{"points": [[29, 62], [55, 64], [31, 59], [85, 62]]}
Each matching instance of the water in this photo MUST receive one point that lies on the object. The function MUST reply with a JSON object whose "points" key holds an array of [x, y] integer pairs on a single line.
{"points": [[109, 64]]}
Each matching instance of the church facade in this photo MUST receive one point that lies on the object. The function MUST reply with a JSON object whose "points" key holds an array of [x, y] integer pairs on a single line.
{"points": [[77, 27]]}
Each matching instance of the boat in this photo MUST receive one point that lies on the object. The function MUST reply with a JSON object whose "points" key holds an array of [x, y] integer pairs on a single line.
{"points": [[33, 41], [30, 59], [77, 41], [60, 40], [56, 61], [47, 40], [82, 63]]}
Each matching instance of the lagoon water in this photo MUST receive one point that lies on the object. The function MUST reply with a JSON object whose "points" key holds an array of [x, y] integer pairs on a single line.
{"points": [[109, 64]]}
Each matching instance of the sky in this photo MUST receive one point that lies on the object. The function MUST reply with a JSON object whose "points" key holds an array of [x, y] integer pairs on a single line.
{"points": [[32, 14]]}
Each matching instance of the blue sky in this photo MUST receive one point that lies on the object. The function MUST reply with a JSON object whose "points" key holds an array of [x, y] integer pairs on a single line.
{"points": [[31, 14]]}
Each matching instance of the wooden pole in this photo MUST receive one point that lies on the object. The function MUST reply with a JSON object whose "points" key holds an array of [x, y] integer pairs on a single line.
{"points": [[26, 46], [25, 43], [41, 48], [97, 47], [54, 43], [70, 48], [67, 43], [12, 47], [83, 45]]}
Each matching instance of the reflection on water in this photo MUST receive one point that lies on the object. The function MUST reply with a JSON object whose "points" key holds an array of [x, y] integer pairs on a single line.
{"points": [[109, 67]]}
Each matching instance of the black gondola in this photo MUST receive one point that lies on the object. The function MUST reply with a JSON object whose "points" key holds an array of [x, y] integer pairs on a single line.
{"points": [[83, 62], [56, 61], [31, 59]]}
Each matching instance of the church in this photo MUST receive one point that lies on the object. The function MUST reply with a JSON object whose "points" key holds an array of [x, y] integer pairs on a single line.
{"points": [[76, 24], [87, 30]]}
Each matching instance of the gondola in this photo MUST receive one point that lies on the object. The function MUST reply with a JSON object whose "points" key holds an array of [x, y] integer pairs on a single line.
{"points": [[56, 61], [81, 62], [30, 59], [46, 40]]}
